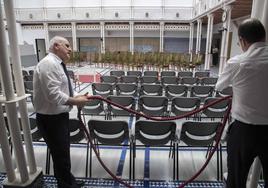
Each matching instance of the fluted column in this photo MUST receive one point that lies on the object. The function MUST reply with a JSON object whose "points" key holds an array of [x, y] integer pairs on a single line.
{"points": [[74, 36], [225, 38], [102, 27], [191, 41], [131, 37], [198, 36], [162, 27], [46, 36], [208, 56]]}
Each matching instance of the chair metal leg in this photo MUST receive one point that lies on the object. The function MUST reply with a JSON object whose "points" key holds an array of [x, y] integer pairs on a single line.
{"points": [[130, 161], [177, 150], [86, 171], [134, 157], [48, 161], [90, 162]]}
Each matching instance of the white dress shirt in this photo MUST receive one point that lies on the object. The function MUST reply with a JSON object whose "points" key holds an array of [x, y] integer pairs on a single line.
{"points": [[50, 86], [248, 75]]}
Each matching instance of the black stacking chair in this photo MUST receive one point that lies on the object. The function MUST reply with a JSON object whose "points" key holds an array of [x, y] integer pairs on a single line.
{"points": [[201, 134], [153, 105], [151, 73], [126, 89], [134, 73], [183, 105], [151, 90], [117, 73], [102, 89], [156, 134], [176, 91], [112, 133], [185, 74], [201, 74], [168, 73], [126, 101]]}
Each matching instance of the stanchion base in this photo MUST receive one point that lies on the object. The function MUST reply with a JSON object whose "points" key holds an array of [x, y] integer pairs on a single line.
{"points": [[35, 181]]}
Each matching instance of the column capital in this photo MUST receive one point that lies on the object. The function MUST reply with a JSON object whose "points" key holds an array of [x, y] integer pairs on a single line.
{"points": [[210, 15], [227, 7], [199, 20]]}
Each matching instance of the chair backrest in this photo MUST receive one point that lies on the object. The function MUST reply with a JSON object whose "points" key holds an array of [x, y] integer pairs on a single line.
{"points": [[201, 74], [149, 80], [126, 101], [153, 105], [108, 79], [182, 105], [36, 135], [126, 89], [185, 74], [202, 91], [211, 81], [150, 73], [117, 73], [134, 73], [76, 133], [151, 89], [31, 72], [167, 80], [108, 131], [129, 79], [225, 92], [217, 110], [93, 107], [102, 89], [154, 133], [176, 91], [196, 133], [28, 86], [189, 81], [28, 78], [168, 73]]}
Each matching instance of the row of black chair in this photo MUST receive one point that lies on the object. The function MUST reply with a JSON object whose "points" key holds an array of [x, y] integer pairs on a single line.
{"points": [[147, 134], [153, 134], [155, 106], [119, 73], [165, 80], [105, 89]]}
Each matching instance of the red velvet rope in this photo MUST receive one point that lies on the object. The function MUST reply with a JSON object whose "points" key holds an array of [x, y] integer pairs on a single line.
{"points": [[159, 119]]}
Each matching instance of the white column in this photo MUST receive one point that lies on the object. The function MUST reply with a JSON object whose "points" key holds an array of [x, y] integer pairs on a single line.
{"points": [[131, 37], [11, 107], [102, 27], [46, 36], [5, 148], [16, 62], [259, 11], [74, 36], [161, 28], [208, 56], [225, 38], [191, 41], [132, 10], [198, 36]]}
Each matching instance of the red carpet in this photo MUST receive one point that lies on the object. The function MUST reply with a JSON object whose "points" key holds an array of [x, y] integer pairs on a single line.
{"points": [[89, 78]]}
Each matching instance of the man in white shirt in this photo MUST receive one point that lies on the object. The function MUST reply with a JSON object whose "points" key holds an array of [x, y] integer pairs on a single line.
{"points": [[53, 99], [248, 75]]}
